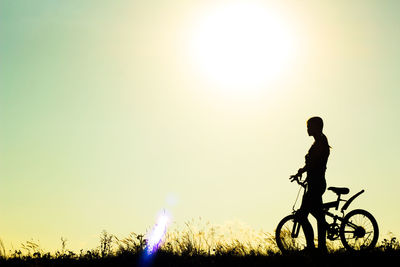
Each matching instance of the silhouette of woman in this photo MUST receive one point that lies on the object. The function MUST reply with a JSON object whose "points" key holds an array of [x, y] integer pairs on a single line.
{"points": [[315, 167]]}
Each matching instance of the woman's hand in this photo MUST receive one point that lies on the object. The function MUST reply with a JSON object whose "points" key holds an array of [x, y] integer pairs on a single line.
{"points": [[301, 171], [295, 177]]}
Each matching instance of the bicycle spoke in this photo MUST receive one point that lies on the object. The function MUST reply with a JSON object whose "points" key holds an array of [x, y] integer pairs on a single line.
{"points": [[359, 231], [289, 236]]}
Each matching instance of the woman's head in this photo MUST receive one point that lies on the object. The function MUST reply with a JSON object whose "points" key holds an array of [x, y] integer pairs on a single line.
{"points": [[315, 126]]}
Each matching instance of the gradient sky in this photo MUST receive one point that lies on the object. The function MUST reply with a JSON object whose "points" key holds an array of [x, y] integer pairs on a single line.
{"points": [[105, 118]]}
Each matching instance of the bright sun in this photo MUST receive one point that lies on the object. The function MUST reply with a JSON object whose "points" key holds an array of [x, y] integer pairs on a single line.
{"points": [[242, 45]]}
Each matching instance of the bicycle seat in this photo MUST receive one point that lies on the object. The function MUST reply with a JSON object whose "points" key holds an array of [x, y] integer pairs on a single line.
{"points": [[339, 190]]}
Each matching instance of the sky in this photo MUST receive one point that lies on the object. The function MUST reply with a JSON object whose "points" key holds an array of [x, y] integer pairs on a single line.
{"points": [[111, 111]]}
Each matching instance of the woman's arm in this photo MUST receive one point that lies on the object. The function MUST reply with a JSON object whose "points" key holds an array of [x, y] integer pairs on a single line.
{"points": [[302, 170]]}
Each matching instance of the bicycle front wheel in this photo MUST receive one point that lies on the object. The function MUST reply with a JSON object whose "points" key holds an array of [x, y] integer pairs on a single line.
{"points": [[289, 235], [359, 230]]}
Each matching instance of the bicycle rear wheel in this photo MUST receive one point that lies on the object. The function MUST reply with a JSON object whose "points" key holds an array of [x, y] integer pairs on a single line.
{"points": [[359, 230], [289, 235]]}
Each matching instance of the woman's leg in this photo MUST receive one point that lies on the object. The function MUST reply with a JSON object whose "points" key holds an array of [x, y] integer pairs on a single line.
{"points": [[305, 223], [308, 232], [321, 225], [318, 212]]}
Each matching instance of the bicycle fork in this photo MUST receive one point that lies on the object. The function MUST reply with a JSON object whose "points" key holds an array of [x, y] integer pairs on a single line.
{"points": [[296, 229]]}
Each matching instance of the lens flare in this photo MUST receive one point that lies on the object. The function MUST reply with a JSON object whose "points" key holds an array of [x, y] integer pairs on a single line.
{"points": [[157, 234]]}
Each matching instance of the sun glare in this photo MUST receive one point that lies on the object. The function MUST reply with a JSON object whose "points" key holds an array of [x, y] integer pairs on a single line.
{"points": [[242, 45]]}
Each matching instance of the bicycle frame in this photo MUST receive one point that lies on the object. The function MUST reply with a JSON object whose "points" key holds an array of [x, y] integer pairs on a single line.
{"points": [[335, 204], [326, 207]]}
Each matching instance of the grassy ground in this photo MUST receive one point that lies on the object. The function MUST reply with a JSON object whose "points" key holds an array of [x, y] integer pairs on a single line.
{"points": [[197, 246], [380, 258]]}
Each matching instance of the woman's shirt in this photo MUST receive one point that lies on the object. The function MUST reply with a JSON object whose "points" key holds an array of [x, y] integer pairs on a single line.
{"points": [[316, 161]]}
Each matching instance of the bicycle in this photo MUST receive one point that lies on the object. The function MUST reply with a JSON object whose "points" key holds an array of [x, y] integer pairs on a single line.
{"points": [[357, 230]]}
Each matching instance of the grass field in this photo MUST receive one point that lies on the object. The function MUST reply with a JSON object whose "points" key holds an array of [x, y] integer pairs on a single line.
{"points": [[197, 246]]}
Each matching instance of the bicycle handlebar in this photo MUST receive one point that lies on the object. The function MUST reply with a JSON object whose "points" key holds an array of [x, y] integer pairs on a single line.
{"points": [[297, 178]]}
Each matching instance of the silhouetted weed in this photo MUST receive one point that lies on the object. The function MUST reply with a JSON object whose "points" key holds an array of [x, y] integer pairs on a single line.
{"points": [[197, 244]]}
